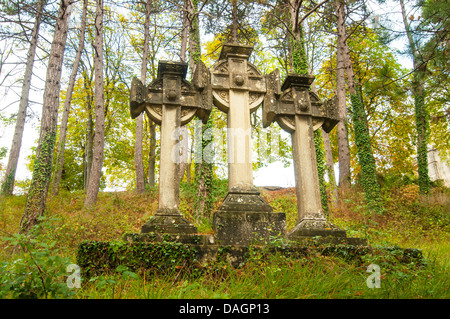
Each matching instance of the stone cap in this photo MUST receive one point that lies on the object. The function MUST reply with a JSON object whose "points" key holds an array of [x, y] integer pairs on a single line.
{"points": [[179, 68], [235, 49], [297, 80]]}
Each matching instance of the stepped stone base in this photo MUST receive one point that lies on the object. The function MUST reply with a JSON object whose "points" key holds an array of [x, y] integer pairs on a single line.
{"points": [[319, 229], [169, 222]]}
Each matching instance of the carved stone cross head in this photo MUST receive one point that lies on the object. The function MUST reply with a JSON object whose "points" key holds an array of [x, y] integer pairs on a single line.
{"points": [[170, 88], [234, 72], [294, 97]]}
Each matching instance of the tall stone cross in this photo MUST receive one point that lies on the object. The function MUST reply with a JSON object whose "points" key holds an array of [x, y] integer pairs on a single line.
{"points": [[238, 89], [300, 112], [171, 101]]}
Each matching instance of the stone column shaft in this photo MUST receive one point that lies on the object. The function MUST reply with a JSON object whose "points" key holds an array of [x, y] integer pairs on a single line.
{"points": [[169, 166], [240, 173], [305, 167]]}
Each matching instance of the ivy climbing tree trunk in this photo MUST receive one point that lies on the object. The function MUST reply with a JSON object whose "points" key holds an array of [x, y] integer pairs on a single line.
{"points": [[422, 116], [184, 135], [342, 133], [37, 193], [362, 139], [65, 117], [138, 154], [99, 137], [203, 177], [14, 152]]}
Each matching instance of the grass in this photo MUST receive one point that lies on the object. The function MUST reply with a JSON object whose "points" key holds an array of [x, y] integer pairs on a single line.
{"points": [[410, 221]]}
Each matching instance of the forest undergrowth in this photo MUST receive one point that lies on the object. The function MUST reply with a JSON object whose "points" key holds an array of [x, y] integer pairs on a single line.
{"points": [[35, 265]]}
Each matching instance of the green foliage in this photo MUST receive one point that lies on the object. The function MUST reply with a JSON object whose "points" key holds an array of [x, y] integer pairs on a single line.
{"points": [[320, 157], [411, 220], [37, 192], [8, 183], [422, 125], [299, 57], [190, 200], [97, 257], [284, 200], [37, 270], [366, 160]]}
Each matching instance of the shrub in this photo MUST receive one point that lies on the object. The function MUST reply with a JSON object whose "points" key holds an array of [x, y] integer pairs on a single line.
{"points": [[37, 271]]}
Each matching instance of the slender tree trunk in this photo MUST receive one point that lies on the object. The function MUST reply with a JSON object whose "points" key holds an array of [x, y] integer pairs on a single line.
{"points": [[234, 27], [184, 134], [67, 102], [37, 193], [138, 155], [89, 146], [97, 163], [366, 160], [343, 146], [330, 167], [10, 173], [422, 116], [152, 153]]}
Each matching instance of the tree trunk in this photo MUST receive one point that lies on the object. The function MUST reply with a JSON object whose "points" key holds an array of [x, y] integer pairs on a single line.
{"points": [[65, 116], [187, 13], [366, 160], [234, 26], [330, 167], [152, 153], [37, 193], [89, 146], [343, 146], [97, 163], [138, 155], [422, 116], [10, 173]]}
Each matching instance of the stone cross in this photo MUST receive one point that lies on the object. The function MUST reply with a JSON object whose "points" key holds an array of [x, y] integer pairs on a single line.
{"points": [[300, 112], [171, 101], [238, 89]]}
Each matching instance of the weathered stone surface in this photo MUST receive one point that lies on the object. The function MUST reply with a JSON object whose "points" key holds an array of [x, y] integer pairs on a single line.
{"points": [[295, 98], [245, 228], [238, 89], [163, 223], [245, 217], [300, 112], [171, 101], [152, 251], [245, 200]]}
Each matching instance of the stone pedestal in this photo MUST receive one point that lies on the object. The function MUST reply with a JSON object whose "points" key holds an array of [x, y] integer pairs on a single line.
{"points": [[246, 218], [300, 112], [238, 89], [171, 101], [315, 226], [168, 222]]}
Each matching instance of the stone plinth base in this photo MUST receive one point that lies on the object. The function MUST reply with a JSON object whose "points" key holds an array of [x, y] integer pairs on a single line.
{"points": [[245, 228], [161, 253], [168, 223], [319, 229], [245, 218]]}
